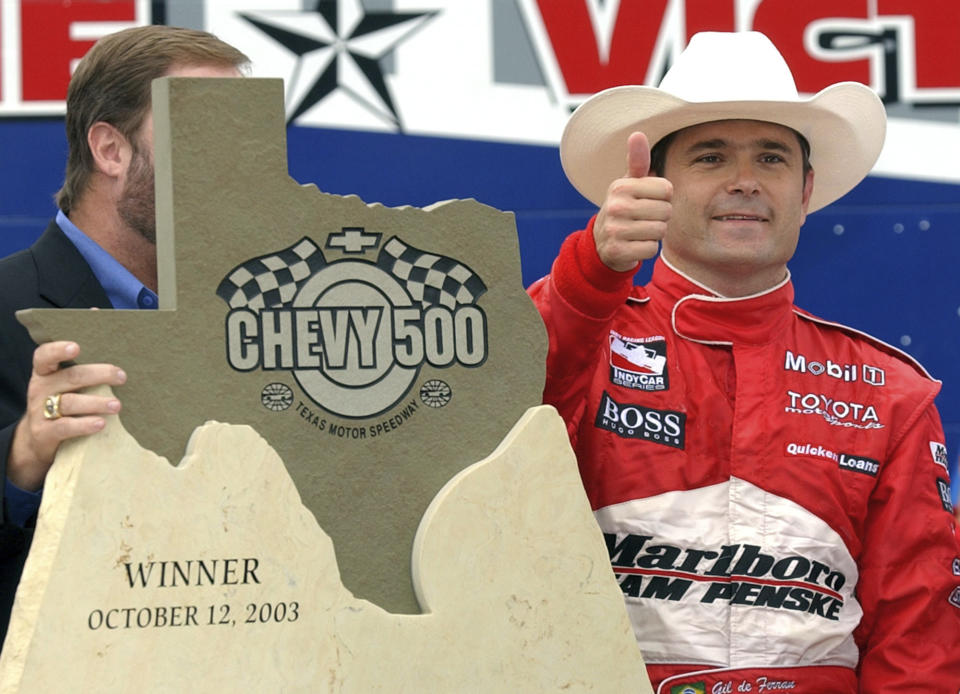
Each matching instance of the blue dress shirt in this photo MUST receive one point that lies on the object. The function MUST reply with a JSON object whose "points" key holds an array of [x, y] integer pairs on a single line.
{"points": [[121, 287]]}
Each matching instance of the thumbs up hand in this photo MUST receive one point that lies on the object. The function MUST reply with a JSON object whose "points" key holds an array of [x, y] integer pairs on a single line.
{"points": [[633, 217]]}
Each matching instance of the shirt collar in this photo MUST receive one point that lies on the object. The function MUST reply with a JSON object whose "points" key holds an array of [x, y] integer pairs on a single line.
{"points": [[121, 287], [702, 315]]}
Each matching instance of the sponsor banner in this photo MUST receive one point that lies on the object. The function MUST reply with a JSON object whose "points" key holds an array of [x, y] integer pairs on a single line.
{"points": [[943, 491], [630, 421], [812, 449], [836, 412], [866, 466], [512, 70], [874, 375], [41, 43], [738, 574], [850, 373], [939, 453], [845, 461], [639, 363], [776, 560]]}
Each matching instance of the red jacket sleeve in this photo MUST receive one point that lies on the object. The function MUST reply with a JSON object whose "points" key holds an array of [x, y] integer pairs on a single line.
{"points": [[577, 301], [909, 637]]}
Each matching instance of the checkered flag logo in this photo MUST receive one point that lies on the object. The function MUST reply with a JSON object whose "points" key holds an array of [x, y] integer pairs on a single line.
{"points": [[271, 280], [430, 279]]}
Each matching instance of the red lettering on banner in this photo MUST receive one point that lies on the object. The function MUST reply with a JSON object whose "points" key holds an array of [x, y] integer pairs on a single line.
{"points": [[937, 40], [47, 48], [709, 15], [576, 45], [907, 50], [786, 21]]}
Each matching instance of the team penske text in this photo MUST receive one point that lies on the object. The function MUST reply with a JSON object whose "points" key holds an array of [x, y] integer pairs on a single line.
{"points": [[668, 572]]}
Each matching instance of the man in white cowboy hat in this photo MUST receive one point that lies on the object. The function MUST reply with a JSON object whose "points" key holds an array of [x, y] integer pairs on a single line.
{"points": [[766, 481]]}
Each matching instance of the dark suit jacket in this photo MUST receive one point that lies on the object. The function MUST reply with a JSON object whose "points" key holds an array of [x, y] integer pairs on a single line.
{"points": [[49, 274]]}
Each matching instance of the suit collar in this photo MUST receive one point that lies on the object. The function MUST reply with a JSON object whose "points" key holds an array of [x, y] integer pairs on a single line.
{"points": [[700, 315], [65, 278]]}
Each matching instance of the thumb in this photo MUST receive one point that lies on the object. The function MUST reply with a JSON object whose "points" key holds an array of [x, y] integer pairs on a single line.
{"points": [[638, 155]]}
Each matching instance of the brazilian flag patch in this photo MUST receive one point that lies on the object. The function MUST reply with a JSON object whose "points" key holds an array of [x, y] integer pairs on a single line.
{"points": [[689, 688]]}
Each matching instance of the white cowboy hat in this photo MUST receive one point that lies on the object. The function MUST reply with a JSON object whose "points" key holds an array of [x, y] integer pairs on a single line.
{"points": [[722, 76]]}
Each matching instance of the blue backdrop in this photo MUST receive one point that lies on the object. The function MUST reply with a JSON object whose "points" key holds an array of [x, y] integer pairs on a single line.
{"points": [[881, 260]]}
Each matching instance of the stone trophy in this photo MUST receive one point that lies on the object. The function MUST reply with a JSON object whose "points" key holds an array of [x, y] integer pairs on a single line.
{"points": [[384, 507]]}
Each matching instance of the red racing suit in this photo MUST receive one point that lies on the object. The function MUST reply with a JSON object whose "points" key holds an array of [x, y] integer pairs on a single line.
{"points": [[772, 488]]}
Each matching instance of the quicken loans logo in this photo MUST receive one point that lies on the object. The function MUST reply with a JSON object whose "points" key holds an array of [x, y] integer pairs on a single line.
{"points": [[354, 332]]}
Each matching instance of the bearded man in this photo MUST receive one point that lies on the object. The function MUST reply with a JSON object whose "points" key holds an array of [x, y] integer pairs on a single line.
{"points": [[100, 251]]}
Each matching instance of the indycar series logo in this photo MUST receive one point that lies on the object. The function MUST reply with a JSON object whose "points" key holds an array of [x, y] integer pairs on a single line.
{"points": [[639, 363], [354, 333]]}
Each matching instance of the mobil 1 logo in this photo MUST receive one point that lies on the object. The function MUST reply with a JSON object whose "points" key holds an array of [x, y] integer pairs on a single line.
{"points": [[639, 363], [630, 421], [355, 332], [939, 453]]}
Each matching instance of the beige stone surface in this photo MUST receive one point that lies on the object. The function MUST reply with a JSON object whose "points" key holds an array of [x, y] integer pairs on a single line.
{"points": [[389, 394], [509, 566]]}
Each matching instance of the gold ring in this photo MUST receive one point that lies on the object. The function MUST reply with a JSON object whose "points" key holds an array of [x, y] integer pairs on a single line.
{"points": [[51, 407]]}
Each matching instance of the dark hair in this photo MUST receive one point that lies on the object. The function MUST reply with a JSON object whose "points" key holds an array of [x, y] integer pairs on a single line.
{"points": [[658, 153], [112, 84]]}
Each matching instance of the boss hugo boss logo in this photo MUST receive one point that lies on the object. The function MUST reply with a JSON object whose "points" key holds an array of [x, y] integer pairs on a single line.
{"points": [[639, 363], [834, 411], [355, 332], [871, 375], [630, 421], [943, 491]]}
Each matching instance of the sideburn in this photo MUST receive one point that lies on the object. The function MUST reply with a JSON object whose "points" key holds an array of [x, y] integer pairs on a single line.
{"points": [[136, 206]]}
